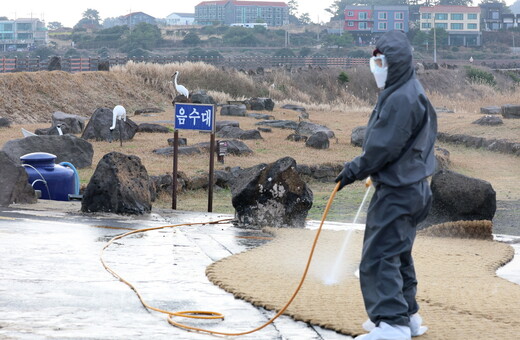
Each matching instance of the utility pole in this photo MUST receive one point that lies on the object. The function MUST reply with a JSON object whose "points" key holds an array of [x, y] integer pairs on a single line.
{"points": [[434, 41]]}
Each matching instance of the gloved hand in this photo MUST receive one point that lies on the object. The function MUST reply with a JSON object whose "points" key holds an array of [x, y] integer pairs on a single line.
{"points": [[344, 177]]}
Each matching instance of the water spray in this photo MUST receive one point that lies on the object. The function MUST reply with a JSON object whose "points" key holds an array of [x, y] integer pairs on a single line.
{"points": [[333, 277]]}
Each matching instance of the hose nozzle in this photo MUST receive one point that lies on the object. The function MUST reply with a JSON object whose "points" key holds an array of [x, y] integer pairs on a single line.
{"points": [[368, 182]]}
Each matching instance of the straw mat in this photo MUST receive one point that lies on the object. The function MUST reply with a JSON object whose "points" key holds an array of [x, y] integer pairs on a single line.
{"points": [[459, 294]]}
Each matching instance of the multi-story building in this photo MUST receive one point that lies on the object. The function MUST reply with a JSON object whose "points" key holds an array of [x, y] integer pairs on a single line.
{"points": [[387, 18], [22, 34], [460, 22], [368, 22], [180, 19], [210, 12], [229, 12], [491, 15]]}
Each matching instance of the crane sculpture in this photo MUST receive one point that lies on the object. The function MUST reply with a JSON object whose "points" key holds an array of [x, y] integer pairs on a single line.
{"points": [[180, 88], [118, 113]]}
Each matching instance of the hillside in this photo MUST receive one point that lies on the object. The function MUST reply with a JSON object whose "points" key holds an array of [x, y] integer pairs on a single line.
{"points": [[33, 97]]}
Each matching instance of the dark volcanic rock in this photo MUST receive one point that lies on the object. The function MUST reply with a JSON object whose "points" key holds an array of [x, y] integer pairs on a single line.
{"points": [[120, 184], [14, 183], [271, 195], [67, 148], [98, 127]]}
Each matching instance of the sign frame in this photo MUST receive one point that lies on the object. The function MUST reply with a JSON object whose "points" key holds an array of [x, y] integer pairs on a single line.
{"points": [[186, 116]]}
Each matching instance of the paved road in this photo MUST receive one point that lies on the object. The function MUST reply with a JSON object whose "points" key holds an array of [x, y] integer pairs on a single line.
{"points": [[53, 286]]}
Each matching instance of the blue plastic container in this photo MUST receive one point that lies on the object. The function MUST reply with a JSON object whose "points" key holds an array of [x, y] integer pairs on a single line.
{"points": [[54, 181]]}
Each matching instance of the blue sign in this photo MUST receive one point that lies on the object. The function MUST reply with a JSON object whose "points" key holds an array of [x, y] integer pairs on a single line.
{"points": [[194, 117]]}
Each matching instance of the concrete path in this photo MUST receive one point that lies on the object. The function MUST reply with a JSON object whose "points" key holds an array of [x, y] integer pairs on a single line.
{"points": [[53, 285]]}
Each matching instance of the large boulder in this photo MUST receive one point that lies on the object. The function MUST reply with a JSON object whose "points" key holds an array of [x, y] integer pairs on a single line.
{"points": [[271, 195], [460, 198], [98, 127], [67, 148], [236, 132], [511, 111], [14, 183], [152, 128], [219, 124], [357, 136], [4, 122], [260, 104], [490, 110], [308, 129], [281, 124], [75, 123], [319, 140], [120, 184], [233, 110], [489, 120], [201, 97], [53, 130]]}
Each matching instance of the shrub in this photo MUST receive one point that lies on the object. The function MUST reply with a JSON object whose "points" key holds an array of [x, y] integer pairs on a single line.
{"points": [[476, 75], [343, 78]]}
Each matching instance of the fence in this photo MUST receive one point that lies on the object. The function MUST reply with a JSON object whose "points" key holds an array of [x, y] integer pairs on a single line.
{"points": [[238, 62], [97, 63]]}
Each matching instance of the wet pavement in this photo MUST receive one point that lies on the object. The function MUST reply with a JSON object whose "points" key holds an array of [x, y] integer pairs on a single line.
{"points": [[53, 285]]}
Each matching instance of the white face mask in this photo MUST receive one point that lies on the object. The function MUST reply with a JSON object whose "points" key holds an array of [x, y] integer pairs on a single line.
{"points": [[379, 68]]}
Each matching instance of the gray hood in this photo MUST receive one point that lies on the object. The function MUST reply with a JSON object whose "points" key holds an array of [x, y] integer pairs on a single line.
{"points": [[398, 52]]}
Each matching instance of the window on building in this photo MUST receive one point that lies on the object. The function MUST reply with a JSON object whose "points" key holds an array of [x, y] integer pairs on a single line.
{"points": [[350, 24], [381, 15], [472, 26], [426, 16], [441, 25], [350, 14], [472, 16], [21, 26], [6, 27], [441, 16], [457, 26], [363, 26], [381, 26], [24, 36], [399, 16], [398, 26], [426, 25], [363, 15], [457, 16]]}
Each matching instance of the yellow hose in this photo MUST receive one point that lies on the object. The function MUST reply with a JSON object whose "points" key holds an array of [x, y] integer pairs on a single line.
{"points": [[208, 314]]}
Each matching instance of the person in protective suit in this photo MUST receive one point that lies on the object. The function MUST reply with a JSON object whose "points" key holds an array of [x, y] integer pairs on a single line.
{"points": [[398, 155]]}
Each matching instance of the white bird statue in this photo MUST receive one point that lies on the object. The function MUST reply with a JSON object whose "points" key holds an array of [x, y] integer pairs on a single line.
{"points": [[118, 113], [181, 89]]}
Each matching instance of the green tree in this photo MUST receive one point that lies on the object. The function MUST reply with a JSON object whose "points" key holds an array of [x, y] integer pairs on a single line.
{"points": [[305, 19], [54, 25], [421, 39], [142, 36], [344, 40], [191, 39], [92, 15], [441, 37], [90, 20], [293, 7]]}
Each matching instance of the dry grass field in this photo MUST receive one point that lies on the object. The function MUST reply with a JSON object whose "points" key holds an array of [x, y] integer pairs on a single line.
{"points": [[29, 100]]}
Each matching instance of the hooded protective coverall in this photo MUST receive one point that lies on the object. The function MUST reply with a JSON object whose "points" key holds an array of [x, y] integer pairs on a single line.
{"points": [[398, 155]]}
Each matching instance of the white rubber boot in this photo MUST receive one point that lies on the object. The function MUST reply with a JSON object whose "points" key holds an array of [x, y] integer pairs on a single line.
{"points": [[387, 332], [415, 324]]}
